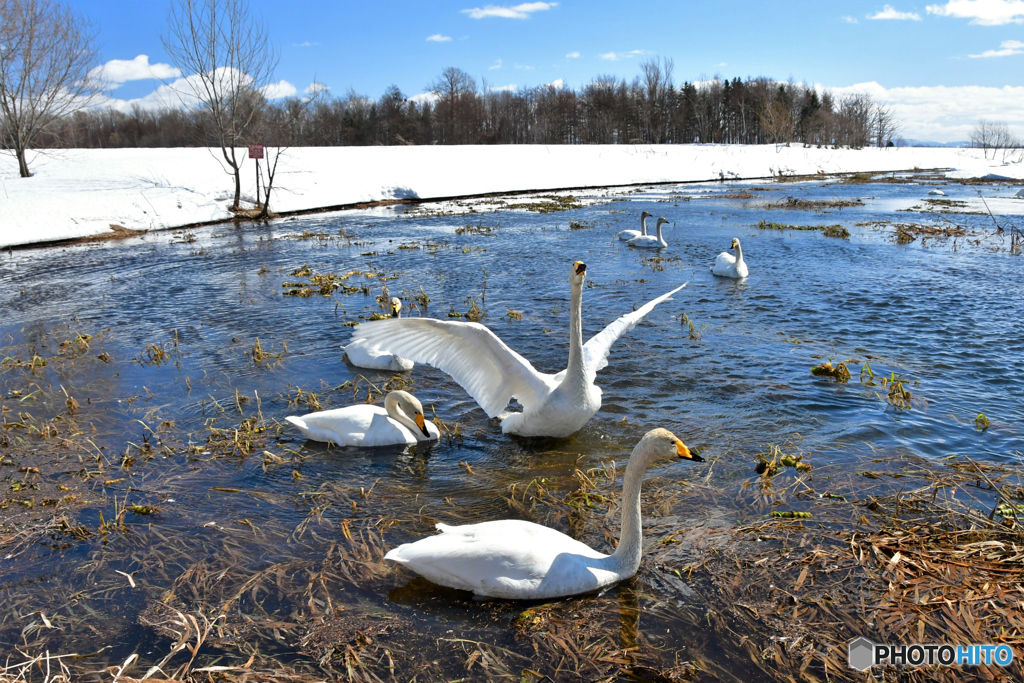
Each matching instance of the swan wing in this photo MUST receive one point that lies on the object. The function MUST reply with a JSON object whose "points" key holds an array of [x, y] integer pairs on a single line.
{"points": [[475, 357], [595, 351]]}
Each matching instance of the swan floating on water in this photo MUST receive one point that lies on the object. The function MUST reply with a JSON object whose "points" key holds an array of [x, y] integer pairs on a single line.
{"points": [[493, 374], [632, 234], [517, 560], [365, 356], [650, 241], [399, 421], [727, 265]]}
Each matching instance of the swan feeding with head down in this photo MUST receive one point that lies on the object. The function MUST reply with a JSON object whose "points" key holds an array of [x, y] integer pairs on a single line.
{"points": [[727, 265], [400, 421], [633, 234], [650, 241], [366, 356], [517, 560], [493, 374]]}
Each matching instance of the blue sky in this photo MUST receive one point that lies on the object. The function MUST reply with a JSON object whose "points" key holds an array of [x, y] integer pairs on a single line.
{"points": [[916, 56]]}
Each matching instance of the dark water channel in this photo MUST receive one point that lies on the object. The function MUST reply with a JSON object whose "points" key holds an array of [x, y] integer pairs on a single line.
{"points": [[945, 318]]}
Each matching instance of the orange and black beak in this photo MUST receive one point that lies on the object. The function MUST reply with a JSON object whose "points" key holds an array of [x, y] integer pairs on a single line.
{"points": [[581, 267], [421, 424], [683, 452]]}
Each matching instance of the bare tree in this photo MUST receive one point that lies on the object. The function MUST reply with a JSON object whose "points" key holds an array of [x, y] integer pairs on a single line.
{"points": [[229, 52], [46, 50], [776, 122], [456, 94], [886, 127], [994, 136]]}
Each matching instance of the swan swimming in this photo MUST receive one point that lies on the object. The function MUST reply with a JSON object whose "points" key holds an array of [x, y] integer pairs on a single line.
{"points": [[727, 265], [632, 234], [492, 373], [650, 241], [399, 421], [518, 560], [365, 356]]}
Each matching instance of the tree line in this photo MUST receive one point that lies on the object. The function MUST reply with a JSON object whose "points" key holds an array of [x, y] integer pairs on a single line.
{"points": [[649, 109]]}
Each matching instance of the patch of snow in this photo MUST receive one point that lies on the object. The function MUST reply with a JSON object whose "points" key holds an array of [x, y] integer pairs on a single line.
{"points": [[938, 193], [80, 192]]}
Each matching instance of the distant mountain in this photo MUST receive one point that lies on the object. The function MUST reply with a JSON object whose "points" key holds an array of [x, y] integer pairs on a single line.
{"points": [[930, 143]]}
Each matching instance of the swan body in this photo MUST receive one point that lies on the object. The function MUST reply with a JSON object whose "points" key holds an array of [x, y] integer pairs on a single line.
{"points": [[364, 356], [517, 560], [727, 265], [493, 374], [632, 234], [400, 421], [650, 241]]}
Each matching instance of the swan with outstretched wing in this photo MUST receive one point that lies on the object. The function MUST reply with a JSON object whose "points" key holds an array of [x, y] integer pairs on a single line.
{"points": [[493, 374]]}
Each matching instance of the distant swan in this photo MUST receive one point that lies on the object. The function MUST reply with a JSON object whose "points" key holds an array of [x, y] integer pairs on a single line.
{"points": [[517, 560], [492, 373], [631, 234], [650, 241], [364, 356], [727, 265], [399, 421]]}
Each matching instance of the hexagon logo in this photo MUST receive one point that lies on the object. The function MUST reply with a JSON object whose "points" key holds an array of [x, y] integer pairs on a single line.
{"points": [[861, 654]]}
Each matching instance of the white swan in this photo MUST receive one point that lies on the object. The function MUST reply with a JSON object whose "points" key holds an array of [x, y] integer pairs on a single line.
{"points": [[365, 356], [493, 374], [518, 560], [631, 234], [399, 421], [727, 265], [650, 241]]}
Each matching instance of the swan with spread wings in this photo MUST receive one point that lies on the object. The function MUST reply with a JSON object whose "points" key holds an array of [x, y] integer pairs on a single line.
{"points": [[493, 374]]}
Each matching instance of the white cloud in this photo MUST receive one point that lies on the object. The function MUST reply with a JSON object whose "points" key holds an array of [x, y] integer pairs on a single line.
{"points": [[429, 97], [982, 12], [945, 113], [890, 12], [118, 71], [849, 20], [573, 55], [616, 56], [557, 84], [316, 87], [497, 65], [502, 88], [1007, 48], [282, 88], [522, 11], [438, 38], [305, 44]]}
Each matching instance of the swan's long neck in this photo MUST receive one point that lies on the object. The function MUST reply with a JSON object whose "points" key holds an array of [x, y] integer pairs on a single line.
{"points": [[643, 225], [395, 412], [576, 371], [626, 558], [739, 253], [661, 240]]}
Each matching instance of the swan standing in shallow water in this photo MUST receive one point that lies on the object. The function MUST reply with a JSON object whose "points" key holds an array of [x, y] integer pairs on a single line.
{"points": [[727, 265], [650, 241], [493, 374], [632, 234], [518, 560], [366, 356], [399, 421]]}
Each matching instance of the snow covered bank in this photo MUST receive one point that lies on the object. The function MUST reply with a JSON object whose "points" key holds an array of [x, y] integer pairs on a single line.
{"points": [[76, 193]]}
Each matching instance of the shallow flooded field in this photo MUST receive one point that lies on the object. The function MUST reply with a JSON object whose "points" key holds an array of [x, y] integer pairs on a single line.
{"points": [[155, 499]]}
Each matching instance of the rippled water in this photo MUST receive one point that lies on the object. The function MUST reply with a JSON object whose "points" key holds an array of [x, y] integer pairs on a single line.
{"points": [[945, 319]]}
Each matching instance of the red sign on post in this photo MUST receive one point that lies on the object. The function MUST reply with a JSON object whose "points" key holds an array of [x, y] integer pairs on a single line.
{"points": [[255, 151]]}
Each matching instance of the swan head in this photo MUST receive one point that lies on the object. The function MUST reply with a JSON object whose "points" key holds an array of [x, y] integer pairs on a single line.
{"points": [[735, 243], [396, 307], [660, 443], [579, 273], [645, 214], [662, 221], [410, 405]]}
